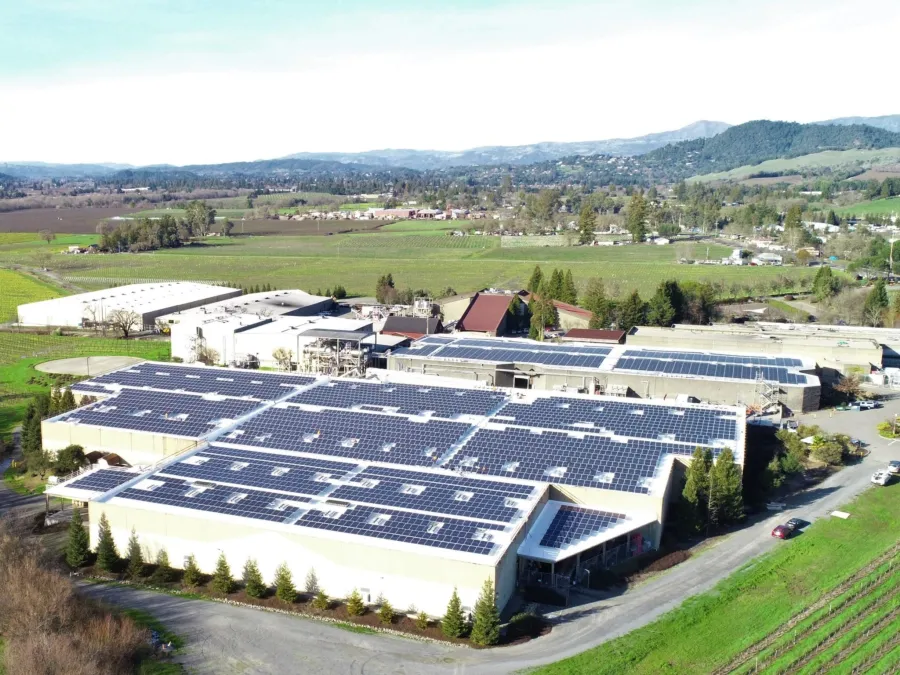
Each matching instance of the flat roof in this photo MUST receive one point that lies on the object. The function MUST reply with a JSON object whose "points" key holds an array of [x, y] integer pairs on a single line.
{"points": [[413, 465], [141, 298], [268, 303]]}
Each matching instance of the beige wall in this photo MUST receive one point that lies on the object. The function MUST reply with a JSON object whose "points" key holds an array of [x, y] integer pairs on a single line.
{"points": [[405, 579], [134, 447], [454, 309], [568, 320]]}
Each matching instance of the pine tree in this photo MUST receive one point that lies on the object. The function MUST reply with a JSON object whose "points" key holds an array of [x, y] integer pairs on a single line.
{"points": [[312, 581], [135, 557], [107, 555], [284, 584], [454, 622], [192, 574], [222, 582], [78, 547], [321, 601], [553, 290], [422, 621], [660, 311], [636, 217], [55, 401], [696, 486], [587, 223], [596, 302], [876, 304], [631, 312], [570, 293], [253, 581], [486, 624], [386, 613], [726, 495], [67, 402], [535, 281], [164, 572], [355, 604]]}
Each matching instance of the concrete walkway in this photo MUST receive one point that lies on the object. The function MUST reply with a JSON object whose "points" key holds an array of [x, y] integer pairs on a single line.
{"points": [[90, 366]]}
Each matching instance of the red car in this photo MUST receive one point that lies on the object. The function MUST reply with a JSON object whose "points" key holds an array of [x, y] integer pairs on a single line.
{"points": [[782, 532]]}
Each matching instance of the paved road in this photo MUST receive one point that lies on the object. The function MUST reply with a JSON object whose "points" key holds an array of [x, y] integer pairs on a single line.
{"points": [[226, 639]]}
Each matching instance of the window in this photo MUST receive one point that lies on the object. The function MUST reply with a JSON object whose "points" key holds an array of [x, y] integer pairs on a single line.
{"points": [[236, 497], [462, 496], [224, 379], [279, 471], [239, 466], [435, 527], [408, 489], [141, 413], [637, 412], [379, 519], [562, 405]]}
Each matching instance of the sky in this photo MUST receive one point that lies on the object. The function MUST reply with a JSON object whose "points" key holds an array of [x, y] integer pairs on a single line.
{"points": [[202, 81]]}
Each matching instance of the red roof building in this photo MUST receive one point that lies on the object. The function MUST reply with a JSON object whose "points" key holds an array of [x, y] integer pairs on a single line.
{"points": [[487, 313]]}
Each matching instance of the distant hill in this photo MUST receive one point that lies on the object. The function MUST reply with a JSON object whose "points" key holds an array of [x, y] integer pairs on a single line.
{"points": [[516, 154], [755, 142], [38, 170], [886, 122]]}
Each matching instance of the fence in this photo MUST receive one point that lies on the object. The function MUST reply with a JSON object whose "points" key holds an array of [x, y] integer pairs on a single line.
{"points": [[19, 345]]}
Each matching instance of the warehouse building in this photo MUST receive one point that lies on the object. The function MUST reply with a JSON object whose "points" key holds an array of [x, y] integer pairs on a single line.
{"points": [[265, 304], [402, 486], [715, 376], [149, 301]]}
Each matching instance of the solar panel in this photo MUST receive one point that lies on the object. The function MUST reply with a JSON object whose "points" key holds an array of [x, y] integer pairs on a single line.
{"points": [[572, 524], [508, 351], [102, 480], [700, 365]]}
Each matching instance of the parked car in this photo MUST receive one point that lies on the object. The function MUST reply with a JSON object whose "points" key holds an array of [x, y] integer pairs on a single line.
{"points": [[795, 524], [863, 405], [782, 532], [894, 466], [842, 407], [882, 477]]}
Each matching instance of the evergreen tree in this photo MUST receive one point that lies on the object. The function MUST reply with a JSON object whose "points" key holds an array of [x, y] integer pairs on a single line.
{"points": [[554, 289], [825, 284], [660, 311], [535, 281], [284, 584], [312, 582], [386, 613], [569, 292], [192, 574], [587, 223], [55, 401], [135, 557], [422, 621], [78, 546], [321, 601], [726, 495], [164, 572], [696, 486], [253, 581], [486, 624], [636, 217], [631, 312], [876, 304], [222, 582], [596, 302], [454, 622], [355, 604], [67, 402], [107, 555]]}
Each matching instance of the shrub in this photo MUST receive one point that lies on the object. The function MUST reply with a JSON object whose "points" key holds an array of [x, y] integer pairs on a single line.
{"points": [[454, 622], [321, 601], [422, 621], [78, 547], [135, 557], [486, 625], [312, 582], [192, 574], [107, 555], [253, 581], [525, 625], [668, 561], [284, 584], [355, 604], [222, 581], [163, 573], [386, 613]]}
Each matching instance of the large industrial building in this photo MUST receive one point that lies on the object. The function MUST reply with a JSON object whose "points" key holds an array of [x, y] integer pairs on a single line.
{"points": [[149, 301], [715, 376], [401, 486]]}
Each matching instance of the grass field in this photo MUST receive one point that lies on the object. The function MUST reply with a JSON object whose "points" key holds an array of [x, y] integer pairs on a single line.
{"points": [[360, 206], [705, 632], [20, 352], [17, 289], [875, 207], [233, 214], [818, 160], [426, 225]]}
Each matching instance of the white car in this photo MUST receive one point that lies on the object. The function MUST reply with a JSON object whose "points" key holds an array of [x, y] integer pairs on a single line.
{"points": [[894, 466], [881, 477]]}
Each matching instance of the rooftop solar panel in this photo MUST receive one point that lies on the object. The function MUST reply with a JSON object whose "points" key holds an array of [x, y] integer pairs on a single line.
{"points": [[102, 480], [572, 524]]}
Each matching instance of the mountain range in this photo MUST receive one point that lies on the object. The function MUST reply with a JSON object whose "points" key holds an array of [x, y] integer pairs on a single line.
{"points": [[661, 146]]}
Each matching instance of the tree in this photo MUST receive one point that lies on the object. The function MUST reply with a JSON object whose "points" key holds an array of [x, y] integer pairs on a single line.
{"points": [[69, 459], [222, 582], [312, 582], [283, 357], [876, 304], [78, 546], [696, 486], [569, 292], [825, 284], [553, 289], [726, 497], [164, 572], [850, 386], [832, 219], [596, 302], [631, 312], [454, 622], [199, 217], [587, 223], [124, 321], [355, 604], [135, 557], [253, 581], [321, 601], [192, 575], [47, 235], [386, 613], [284, 584], [827, 449], [422, 621], [384, 288], [803, 257], [226, 227], [660, 311], [67, 402], [535, 281], [486, 624], [636, 217], [107, 555], [339, 292]]}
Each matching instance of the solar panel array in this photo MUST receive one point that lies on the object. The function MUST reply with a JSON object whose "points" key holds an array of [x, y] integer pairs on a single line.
{"points": [[744, 359], [572, 524], [703, 369], [221, 381], [161, 412], [103, 480]]}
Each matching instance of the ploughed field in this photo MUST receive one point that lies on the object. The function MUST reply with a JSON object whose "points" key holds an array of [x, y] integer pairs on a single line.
{"points": [[58, 221]]}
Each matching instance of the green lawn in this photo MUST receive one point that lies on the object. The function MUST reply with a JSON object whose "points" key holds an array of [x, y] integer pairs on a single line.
{"points": [[17, 289], [360, 206], [427, 225], [877, 207], [709, 629]]}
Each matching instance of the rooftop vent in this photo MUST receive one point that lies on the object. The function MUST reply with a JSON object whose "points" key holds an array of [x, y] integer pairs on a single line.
{"points": [[435, 527], [606, 478], [236, 497], [556, 472], [349, 442], [195, 460], [320, 477], [149, 485], [511, 466], [483, 535], [239, 466], [368, 483], [463, 496], [379, 519], [279, 471], [408, 489]]}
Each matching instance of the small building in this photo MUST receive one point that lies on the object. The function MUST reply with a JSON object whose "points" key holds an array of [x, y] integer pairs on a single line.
{"points": [[489, 314], [768, 259], [594, 335], [412, 327]]}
